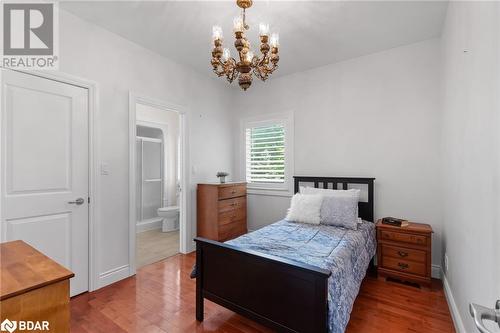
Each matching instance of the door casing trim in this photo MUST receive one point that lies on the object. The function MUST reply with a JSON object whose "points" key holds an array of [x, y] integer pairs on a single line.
{"points": [[184, 226]]}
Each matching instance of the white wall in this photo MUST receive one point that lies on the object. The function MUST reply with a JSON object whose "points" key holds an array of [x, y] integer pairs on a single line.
{"points": [[171, 138], [118, 66], [471, 168], [373, 116]]}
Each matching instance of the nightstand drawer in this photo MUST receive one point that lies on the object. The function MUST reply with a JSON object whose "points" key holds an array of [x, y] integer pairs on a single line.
{"points": [[406, 266], [403, 253], [403, 237]]}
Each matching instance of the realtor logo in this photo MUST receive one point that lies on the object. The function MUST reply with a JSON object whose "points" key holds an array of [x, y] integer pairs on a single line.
{"points": [[29, 35], [28, 29], [9, 326]]}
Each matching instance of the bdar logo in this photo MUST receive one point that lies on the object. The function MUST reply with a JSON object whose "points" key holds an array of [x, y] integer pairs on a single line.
{"points": [[24, 325], [8, 325]]}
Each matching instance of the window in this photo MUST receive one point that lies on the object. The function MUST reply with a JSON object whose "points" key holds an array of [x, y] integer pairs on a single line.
{"points": [[267, 154]]}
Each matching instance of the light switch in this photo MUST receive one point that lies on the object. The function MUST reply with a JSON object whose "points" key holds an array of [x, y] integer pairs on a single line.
{"points": [[104, 169]]}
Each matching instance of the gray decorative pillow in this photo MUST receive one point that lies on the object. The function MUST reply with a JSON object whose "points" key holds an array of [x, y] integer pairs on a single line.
{"points": [[340, 211]]}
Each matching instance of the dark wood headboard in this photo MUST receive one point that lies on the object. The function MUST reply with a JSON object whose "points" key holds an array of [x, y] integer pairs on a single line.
{"points": [[365, 208]]}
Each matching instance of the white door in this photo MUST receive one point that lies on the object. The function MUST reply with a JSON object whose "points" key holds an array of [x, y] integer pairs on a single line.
{"points": [[44, 163]]}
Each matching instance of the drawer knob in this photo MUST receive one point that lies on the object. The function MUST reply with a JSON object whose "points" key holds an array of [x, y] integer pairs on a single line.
{"points": [[402, 265], [402, 254], [233, 191]]}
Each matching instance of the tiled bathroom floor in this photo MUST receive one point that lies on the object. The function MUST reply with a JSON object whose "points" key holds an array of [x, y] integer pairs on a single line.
{"points": [[155, 245]]}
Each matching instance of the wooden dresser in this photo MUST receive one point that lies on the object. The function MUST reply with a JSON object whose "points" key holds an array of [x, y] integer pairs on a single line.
{"points": [[221, 211], [404, 253], [33, 287]]}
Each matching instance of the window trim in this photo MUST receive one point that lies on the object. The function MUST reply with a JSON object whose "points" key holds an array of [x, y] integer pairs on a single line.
{"points": [[287, 120]]}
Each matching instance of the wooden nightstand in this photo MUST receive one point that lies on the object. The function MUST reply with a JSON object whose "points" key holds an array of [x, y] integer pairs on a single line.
{"points": [[404, 253]]}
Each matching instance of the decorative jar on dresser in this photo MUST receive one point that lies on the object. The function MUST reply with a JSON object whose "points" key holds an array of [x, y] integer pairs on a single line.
{"points": [[221, 210], [404, 253]]}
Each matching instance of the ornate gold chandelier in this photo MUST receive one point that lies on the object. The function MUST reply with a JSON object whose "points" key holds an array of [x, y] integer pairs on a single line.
{"points": [[261, 67]]}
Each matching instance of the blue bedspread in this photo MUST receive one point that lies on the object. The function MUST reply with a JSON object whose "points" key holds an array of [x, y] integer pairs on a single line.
{"points": [[346, 253]]}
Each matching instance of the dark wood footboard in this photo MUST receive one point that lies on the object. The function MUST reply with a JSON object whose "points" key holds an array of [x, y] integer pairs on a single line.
{"points": [[282, 294]]}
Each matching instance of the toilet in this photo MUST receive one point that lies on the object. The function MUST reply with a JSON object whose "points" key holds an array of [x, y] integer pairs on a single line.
{"points": [[170, 217]]}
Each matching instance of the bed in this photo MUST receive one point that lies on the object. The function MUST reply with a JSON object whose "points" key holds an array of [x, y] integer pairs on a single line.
{"points": [[290, 276]]}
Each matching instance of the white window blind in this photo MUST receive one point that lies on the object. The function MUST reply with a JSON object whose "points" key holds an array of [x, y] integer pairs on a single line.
{"points": [[265, 154]]}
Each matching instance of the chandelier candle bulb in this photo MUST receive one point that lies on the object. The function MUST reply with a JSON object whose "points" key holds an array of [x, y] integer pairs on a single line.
{"points": [[263, 29], [249, 56], [275, 40], [226, 54], [216, 32], [238, 24]]}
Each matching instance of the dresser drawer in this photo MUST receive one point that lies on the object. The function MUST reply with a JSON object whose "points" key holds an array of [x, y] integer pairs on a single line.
{"points": [[232, 204], [403, 253], [233, 215], [402, 265], [232, 230], [227, 192], [402, 237]]}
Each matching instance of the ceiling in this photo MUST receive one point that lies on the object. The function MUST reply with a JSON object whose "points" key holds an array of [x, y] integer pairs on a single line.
{"points": [[312, 33]]}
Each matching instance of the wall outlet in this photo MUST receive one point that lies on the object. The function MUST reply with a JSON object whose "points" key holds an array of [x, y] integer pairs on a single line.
{"points": [[446, 263]]}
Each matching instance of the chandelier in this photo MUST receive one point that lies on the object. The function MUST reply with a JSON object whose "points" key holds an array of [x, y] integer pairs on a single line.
{"points": [[224, 65]]}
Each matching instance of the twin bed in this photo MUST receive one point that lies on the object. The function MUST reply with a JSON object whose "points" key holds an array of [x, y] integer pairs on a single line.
{"points": [[289, 276]]}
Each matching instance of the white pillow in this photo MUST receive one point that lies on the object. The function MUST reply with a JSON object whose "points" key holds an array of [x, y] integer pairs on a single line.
{"points": [[305, 208]]}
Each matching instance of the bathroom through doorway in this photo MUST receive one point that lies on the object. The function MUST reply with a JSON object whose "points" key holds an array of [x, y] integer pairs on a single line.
{"points": [[157, 185]]}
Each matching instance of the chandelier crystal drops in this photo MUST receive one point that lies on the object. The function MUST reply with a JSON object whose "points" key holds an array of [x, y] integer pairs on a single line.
{"points": [[224, 65]]}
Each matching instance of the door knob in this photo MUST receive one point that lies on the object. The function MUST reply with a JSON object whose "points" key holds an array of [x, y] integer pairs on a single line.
{"points": [[78, 201], [480, 313]]}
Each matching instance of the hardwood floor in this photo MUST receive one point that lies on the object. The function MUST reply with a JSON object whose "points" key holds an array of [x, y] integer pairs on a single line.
{"points": [[160, 298], [394, 307]]}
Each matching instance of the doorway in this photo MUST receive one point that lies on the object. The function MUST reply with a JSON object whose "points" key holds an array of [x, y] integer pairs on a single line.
{"points": [[45, 158], [157, 178]]}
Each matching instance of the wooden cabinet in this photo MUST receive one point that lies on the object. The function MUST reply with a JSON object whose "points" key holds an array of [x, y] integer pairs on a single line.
{"points": [[221, 211], [33, 287], [404, 253]]}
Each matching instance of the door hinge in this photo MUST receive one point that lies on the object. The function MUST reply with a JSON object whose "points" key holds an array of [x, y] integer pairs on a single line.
{"points": [[88, 200]]}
